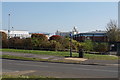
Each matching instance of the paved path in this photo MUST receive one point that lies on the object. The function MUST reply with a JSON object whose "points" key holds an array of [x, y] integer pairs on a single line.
{"points": [[59, 70], [50, 57], [29, 55]]}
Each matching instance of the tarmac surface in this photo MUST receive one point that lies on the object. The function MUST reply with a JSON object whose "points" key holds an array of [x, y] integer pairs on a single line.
{"points": [[58, 70]]}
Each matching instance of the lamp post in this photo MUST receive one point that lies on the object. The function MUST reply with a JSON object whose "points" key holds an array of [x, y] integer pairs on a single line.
{"points": [[70, 44], [13, 32], [8, 29], [8, 26]]}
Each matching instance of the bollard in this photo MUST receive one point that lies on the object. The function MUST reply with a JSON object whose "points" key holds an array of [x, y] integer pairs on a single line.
{"points": [[118, 48]]}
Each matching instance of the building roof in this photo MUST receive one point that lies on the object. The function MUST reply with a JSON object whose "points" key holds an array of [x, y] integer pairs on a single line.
{"points": [[12, 30], [97, 32]]}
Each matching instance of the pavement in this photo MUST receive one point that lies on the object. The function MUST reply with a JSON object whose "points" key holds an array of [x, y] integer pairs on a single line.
{"points": [[73, 60], [76, 59]]}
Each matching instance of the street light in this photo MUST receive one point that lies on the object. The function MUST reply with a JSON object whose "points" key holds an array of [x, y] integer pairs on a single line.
{"points": [[70, 44], [8, 26], [8, 29]]}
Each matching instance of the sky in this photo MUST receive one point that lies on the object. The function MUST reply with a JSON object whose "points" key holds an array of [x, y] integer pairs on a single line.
{"points": [[63, 16]]}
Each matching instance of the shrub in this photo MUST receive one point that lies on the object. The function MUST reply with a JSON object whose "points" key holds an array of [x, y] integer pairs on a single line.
{"points": [[4, 43], [38, 40], [3, 36], [100, 47], [18, 43], [87, 45], [27, 43], [75, 45], [54, 45], [3, 40], [39, 36], [56, 38], [66, 43], [15, 42], [11, 42]]}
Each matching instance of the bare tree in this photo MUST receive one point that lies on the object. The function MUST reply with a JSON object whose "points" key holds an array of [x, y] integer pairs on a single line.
{"points": [[113, 31]]}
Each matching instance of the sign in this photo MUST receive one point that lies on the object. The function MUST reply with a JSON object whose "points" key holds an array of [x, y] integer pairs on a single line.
{"points": [[70, 34]]}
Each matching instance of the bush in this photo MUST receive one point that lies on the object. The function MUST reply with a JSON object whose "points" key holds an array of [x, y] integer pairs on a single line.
{"points": [[56, 38], [54, 45], [11, 42], [3, 36], [39, 41], [87, 45], [18, 43], [27, 43], [76, 45], [4, 43], [39, 36], [3, 40], [100, 47], [65, 43]]}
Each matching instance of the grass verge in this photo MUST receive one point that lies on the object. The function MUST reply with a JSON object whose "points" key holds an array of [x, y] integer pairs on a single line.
{"points": [[58, 53], [55, 53], [100, 57], [22, 76], [36, 59]]}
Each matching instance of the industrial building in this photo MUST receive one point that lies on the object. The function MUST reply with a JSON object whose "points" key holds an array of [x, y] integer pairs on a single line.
{"points": [[64, 34], [96, 36], [17, 33]]}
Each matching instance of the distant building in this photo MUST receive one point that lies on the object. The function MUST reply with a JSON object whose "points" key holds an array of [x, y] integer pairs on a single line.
{"points": [[97, 36], [64, 34], [17, 33]]}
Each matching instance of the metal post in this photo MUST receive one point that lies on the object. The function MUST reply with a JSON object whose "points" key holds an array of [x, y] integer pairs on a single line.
{"points": [[8, 26], [13, 32], [8, 29], [70, 45]]}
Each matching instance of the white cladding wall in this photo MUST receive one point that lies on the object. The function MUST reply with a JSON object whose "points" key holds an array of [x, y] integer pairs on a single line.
{"points": [[21, 34]]}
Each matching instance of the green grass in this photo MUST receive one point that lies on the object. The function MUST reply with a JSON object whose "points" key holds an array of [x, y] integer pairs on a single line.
{"points": [[43, 79], [36, 59], [58, 53], [100, 57], [22, 58], [55, 53], [22, 76]]}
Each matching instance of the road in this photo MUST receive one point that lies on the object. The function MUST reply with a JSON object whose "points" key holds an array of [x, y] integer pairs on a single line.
{"points": [[60, 70]]}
